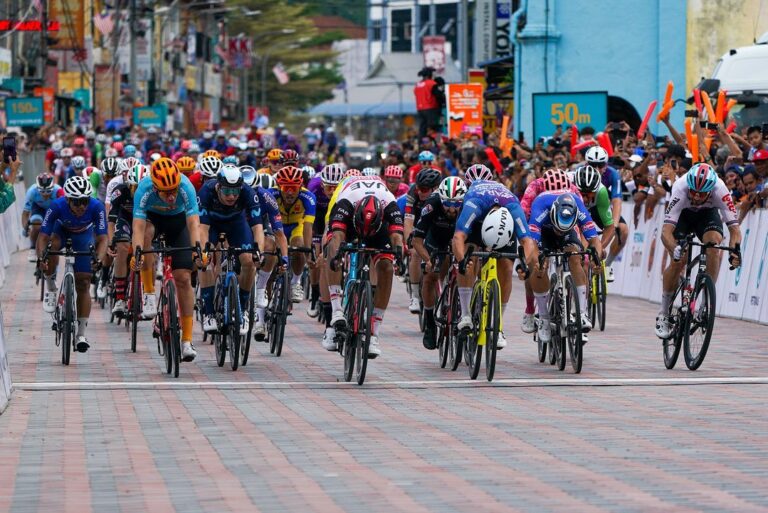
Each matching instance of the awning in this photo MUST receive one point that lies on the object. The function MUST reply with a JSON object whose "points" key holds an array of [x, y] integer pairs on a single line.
{"points": [[500, 60], [364, 109]]}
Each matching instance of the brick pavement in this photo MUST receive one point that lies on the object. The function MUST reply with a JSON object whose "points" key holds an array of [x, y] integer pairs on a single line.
{"points": [[414, 438]]}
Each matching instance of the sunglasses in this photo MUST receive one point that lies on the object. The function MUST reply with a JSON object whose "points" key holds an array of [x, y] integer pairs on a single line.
{"points": [[78, 202], [452, 204], [424, 190], [230, 191], [291, 189], [46, 192], [167, 193]]}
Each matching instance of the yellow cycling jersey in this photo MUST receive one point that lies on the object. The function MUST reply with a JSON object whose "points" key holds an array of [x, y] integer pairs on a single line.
{"points": [[301, 212], [264, 171]]}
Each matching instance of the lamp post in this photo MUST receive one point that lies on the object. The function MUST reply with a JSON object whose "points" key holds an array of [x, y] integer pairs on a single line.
{"points": [[264, 57]]}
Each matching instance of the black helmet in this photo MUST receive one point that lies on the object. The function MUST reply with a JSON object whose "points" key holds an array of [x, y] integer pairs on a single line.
{"points": [[429, 178]]}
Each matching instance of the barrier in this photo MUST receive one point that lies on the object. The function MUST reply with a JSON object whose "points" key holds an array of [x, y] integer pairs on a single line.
{"points": [[10, 242], [5, 373], [741, 294]]}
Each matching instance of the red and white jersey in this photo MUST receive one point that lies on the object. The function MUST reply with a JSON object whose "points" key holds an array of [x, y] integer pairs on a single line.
{"points": [[356, 188], [719, 198]]}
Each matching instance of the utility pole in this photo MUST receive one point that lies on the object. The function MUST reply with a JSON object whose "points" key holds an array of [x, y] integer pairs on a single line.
{"points": [[43, 43], [134, 90], [464, 39]]}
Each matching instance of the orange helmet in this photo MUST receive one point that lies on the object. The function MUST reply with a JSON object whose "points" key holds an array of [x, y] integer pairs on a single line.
{"points": [[212, 153], [275, 154], [289, 176], [165, 174], [185, 164]]}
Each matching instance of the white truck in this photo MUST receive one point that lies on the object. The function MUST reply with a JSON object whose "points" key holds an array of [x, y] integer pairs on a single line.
{"points": [[743, 72]]}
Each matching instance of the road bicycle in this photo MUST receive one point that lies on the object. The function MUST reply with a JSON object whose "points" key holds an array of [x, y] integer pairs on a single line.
{"points": [[65, 314], [447, 314], [597, 295], [693, 319]]}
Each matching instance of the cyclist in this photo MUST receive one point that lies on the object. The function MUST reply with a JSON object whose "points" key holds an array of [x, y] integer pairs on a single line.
{"points": [[698, 204], [231, 207], [370, 171], [477, 172], [166, 204], [597, 157], [393, 177], [595, 196], [187, 167], [426, 182], [433, 234], [39, 198], [426, 159], [554, 217], [274, 160], [490, 209], [297, 209], [289, 157], [81, 218], [120, 219], [100, 179], [78, 165], [365, 211], [209, 166]]}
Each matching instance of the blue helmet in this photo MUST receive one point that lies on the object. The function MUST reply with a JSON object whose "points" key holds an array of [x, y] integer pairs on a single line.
{"points": [[129, 151], [231, 159], [564, 213], [426, 156], [701, 178]]}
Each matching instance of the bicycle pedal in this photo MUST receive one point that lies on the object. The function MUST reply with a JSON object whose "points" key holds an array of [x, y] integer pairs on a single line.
{"points": [[53, 326]]}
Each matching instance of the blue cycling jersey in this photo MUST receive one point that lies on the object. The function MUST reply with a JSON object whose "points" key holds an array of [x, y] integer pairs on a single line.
{"points": [[270, 211], [612, 181], [146, 199], [401, 201], [60, 214], [481, 197], [540, 219], [212, 210], [35, 199]]}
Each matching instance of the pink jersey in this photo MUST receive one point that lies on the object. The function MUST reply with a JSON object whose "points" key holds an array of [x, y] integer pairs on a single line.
{"points": [[535, 188]]}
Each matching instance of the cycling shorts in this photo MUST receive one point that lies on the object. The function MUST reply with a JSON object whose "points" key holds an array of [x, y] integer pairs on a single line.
{"points": [[36, 215], [556, 242], [81, 241], [699, 222], [174, 227], [123, 230], [238, 233], [293, 230]]}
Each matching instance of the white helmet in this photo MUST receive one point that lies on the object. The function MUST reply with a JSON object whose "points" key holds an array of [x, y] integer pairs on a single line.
{"points": [[78, 187], [230, 176], [209, 166], [309, 171], [332, 174], [110, 152], [498, 229], [249, 175], [78, 162], [267, 181], [369, 171], [597, 155], [57, 145]]}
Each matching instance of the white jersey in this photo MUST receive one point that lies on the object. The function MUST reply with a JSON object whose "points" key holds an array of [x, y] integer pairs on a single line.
{"points": [[719, 198], [111, 186], [355, 188]]}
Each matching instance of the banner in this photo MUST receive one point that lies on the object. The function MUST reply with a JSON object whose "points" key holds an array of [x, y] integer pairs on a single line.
{"points": [[150, 116], [47, 94], [5, 372], [105, 99], [27, 111], [71, 14], [485, 30], [433, 49], [240, 49], [503, 32], [465, 109], [756, 256], [579, 108], [5, 64]]}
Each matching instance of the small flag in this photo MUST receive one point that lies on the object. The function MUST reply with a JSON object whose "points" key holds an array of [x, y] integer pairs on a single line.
{"points": [[37, 4], [280, 73], [104, 23]]}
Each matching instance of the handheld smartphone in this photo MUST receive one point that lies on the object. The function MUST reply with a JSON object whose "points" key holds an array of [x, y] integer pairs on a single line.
{"points": [[692, 113], [713, 126], [9, 148]]}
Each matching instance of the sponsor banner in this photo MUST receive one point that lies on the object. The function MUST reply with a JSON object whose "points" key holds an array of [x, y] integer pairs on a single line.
{"points": [[577, 108], [433, 48], [485, 25], [503, 33], [732, 285], [47, 94], [5, 372], [5, 63], [150, 116], [465, 109], [28, 111], [71, 16], [758, 272]]}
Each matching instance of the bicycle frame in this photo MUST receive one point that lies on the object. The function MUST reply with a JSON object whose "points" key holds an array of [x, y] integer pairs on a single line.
{"points": [[488, 274]]}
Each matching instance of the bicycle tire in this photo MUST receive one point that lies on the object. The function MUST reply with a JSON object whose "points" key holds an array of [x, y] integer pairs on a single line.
{"points": [[558, 341], [135, 314], [364, 327], [492, 326], [68, 289], [40, 281], [174, 329], [573, 333], [552, 345], [705, 286], [349, 348], [442, 327], [602, 300], [473, 351], [670, 347], [235, 321], [592, 293], [219, 337], [245, 346], [287, 306], [541, 348], [454, 339], [271, 311], [162, 329]]}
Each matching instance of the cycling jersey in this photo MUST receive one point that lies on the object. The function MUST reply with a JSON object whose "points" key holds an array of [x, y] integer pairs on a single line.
{"points": [[413, 204], [357, 188], [315, 186], [302, 211], [270, 212], [535, 188], [146, 199], [213, 211], [111, 186], [434, 224], [401, 204], [59, 215], [540, 219], [719, 198], [36, 204], [481, 197], [121, 203], [197, 179], [612, 181], [600, 208], [99, 184], [402, 189]]}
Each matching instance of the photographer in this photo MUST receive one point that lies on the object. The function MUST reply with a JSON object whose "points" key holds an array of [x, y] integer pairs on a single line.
{"points": [[428, 95]]}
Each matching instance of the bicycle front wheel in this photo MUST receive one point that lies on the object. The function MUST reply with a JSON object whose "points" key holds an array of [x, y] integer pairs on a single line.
{"points": [[173, 328], [442, 323], [363, 321], [245, 346], [698, 333], [454, 340], [235, 320], [349, 349], [573, 318], [492, 326], [135, 312], [602, 299], [70, 318], [474, 351]]}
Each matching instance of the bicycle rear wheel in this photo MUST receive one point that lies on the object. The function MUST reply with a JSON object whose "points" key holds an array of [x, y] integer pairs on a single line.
{"points": [[135, 312], [68, 289], [671, 346], [454, 340], [474, 352], [554, 328], [602, 299], [492, 324], [39, 280], [235, 320], [442, 324], [174, 330], [364, 314], [349, 350], [245, 346], [701, 317], [573, 319]]}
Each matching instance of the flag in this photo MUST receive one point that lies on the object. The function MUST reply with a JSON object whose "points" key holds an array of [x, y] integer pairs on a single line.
{"points": [[37, 4], [280, 73], [105, 23]]}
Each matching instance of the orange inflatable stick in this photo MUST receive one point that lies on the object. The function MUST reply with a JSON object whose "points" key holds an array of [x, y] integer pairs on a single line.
{"points": [[581, 146], [605, 141], [688, 131], [720, 108], [646, 118], [731, 127], [697, 100], [707, 143], [665, 110], [708, 105], [668, 93], [574, 138], [694, 147]]}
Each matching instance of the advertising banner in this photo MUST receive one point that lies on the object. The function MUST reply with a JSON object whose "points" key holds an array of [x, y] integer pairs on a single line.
{"points": [[577, 108], [465, 109], [27, 111], [71, 16], [105, 99], [150, 116], [47, 94], [485, 24], [433, 48], [5, 63], [755, 257], [732, 285], [5, 372]]}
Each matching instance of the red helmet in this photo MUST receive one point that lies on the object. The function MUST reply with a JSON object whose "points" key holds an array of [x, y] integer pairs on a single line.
{"points": [[368, 216], [79, 141], [393, 172], [555, 180], [289, 157], [117, 146], [289, 176]]}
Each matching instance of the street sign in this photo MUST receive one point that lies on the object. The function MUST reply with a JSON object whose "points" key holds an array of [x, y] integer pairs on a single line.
{"points": [[24, 111], [150, 116], [576, 108]]}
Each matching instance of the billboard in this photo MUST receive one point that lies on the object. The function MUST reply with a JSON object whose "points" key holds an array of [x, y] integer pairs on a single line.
{"points": [[576, 108]]}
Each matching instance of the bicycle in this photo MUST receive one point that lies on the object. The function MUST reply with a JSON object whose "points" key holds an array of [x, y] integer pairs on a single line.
{"points": [[65, 314], [564, 312], [447, 314], [167, 328], [696, 312], [485, 310], [597, 295], [40, 281]]}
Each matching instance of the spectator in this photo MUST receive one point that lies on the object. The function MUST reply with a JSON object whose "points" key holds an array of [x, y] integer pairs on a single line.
{"points": [[755, 141], [427, 95], [312, 135], [330, 141], [755, 193], [7, 179]]}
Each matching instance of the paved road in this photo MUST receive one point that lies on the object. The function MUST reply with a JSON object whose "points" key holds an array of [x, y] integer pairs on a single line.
{"points": [[112, 433]]}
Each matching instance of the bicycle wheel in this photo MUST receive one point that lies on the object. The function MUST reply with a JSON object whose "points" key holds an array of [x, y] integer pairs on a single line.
{"points": [[235, 321], [442, 325], [671, 346], [163, 329], [701, 321], [492, 325], [602, 298], [285, 311], [474, 352], [276, 315], [40, 281], [559, 319], [135, 313], [69, 320], [553, 343], [541, 348], [592, 292], [245, 346], [454, 340], [573, 320], [364, 315], [349, 349], [174, 329]]}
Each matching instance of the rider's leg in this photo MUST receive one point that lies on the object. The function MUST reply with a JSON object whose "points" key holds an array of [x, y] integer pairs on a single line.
{"points": [[247, 274], [123, 250], [384, 270], [183, 279], [714, 256], [82, 286], [617, 245]]}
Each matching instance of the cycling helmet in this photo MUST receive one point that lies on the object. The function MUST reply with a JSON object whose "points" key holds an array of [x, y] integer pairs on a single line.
{"points": [[428, 178], [701, 178], [88, 170], [130, 162], [452, 188], [117, 137], [588, 178], [289, 157], [597, 155], [129, 150], [249, 175], [194, 148], [186, 164], [368, 216], [564, 213], [332, 174], [44, 182], [309, 172], [275, 154], [67, 152], [369, 171], [230, 176], [555, 180], [57, 146], [210, 165], [110, 166], [478, 172], [135, 174], [110, 152], [184, 145], [498, 228], [79, 141], [118, 146], [352, 172], [211, 153], [165, 174], [230, 159], [252, 144], [393, 172], [289, 176], [267, 181], [78, 187], [426, 156], [259, 153], [78, 162]]}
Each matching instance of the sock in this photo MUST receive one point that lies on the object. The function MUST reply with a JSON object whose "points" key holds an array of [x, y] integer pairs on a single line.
{"points": [[530, 309], [465, 297], [206, 293], [245, 295], [378, 316], [666, 301], [148, 281], [186, 328], [260, 315], [120, 286], [82, 323], [414, 290], [295, 279], [429, 316], [261, 281], [610, 259], [582, 291], [335, 291], [327, 312], [542, 298], [50, 282], [105, 274], [503, 309], [315, 295]]}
